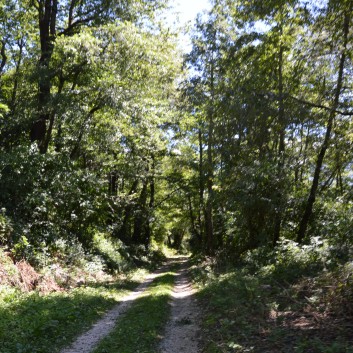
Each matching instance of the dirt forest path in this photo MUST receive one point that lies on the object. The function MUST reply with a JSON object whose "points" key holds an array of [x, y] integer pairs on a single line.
{"points": [[180, 333]]}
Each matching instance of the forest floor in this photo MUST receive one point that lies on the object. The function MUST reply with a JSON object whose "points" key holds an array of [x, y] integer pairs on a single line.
{"points": [[275, 309]]}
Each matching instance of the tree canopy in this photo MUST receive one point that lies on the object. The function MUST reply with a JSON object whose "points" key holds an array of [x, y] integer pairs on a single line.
{"points": [[106, 127]]}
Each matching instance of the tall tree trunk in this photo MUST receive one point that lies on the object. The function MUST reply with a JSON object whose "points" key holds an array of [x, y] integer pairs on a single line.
{"points": [[47, 12], [3, 56], [151, 202], [201, 186], [113, 182], [192, 220], [138, 236], [210, 241], [124, 232], [20, 44], [281, 149], [315, 183]]}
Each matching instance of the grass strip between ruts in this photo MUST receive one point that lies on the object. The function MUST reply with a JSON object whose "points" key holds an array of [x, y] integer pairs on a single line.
{"points": [[140, 329]]}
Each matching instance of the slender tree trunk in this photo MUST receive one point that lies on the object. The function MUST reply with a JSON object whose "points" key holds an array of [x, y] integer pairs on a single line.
{"points": [[305, 154], [140, 216], [3, 56], [75, 151], [192, 220], [113, 183], [210, 246], [151, 203], [281, 149], [20, 44], [319, 162], [201, 185], [152, 184]]}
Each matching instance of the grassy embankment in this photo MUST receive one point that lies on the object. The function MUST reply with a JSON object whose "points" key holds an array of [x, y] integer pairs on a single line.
{"points": [[37, 323], [43, 310], [294, 300]]}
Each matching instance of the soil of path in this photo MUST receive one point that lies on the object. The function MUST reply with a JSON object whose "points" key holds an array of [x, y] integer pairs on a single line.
{"points": [[181, 332]]}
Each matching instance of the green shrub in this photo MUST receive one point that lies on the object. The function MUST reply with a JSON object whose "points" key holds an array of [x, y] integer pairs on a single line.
{"points": [[112, 252], [5, 228]]}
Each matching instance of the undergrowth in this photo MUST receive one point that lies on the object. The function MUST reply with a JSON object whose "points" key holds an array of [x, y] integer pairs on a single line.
{"points": [[290, 300]]}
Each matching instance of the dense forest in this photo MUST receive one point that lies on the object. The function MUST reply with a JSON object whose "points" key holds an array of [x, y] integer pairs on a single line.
{"points": [[103, 129], [115, 144]]}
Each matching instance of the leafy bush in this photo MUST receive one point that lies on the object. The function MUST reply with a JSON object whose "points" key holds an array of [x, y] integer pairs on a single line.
{"points": [[5, 228], [112, 252], [49, 197]]}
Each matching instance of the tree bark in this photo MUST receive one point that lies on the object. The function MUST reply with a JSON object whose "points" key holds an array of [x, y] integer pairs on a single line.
{"points": [[3, 56], [20, 44], [123, 233], [75, 151], [192, 220], [138, 236], [281, 149], [210, 246], [201, 185], [47, 12], [151, 203]]}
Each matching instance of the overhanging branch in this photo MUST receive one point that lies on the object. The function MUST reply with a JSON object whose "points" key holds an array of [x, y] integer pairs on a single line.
{"points": [[320, 106]]}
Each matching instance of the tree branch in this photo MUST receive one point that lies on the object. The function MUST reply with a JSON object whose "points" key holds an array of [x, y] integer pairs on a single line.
{"points": [[3, 56], [320, 106], [75, 150], [68, 30], [168, 196]]}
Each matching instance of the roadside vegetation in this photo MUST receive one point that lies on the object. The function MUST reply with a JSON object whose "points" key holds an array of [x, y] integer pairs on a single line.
{"points": [[43, 309], [297, 299], [33, 322]]}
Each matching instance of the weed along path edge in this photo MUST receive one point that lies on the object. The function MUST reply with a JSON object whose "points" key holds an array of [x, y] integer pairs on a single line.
{"points": [[86, 342]]}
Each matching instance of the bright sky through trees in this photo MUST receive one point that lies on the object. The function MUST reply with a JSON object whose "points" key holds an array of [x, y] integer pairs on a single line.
{"points": [[182, 14]]}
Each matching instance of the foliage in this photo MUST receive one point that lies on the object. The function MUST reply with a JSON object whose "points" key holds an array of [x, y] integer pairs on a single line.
{"points": [[95, 102], [62, 205], [5, 228], [267, 110], [108, 151], [112, 252]]}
